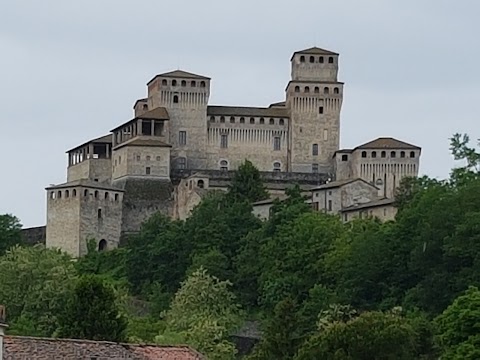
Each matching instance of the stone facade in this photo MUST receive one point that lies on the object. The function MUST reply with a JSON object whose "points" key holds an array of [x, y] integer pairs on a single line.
{"points": [[177, 148]]}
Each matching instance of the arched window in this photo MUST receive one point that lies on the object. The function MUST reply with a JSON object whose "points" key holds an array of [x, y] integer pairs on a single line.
{"points": [[74, 193], [96, 194], [148, 157], [307, 89], [174, 82], [252, 120], [336, 90], [106, 195], [67, 193], [383, 154], [364, 154], [374, 154], [316, 90], [116, 197], [312, 59], [193, 83], [102, 245], [99, 213], [277, 167], [202, 84], [200, 184], [302, 58], [224, 165], [242, 120], [402, 154], [164, 82], [262, 121], [326, 90], [393, 154], [315, 149], [232, 119], [272, 122], [85, 192], [412, 154], [281, 122], [222, 119], [145, 107], [184, 83], [330, 60], [297, 88], [321, 59], [59, 194], [212, 119], [175, 99], [158, 158]]}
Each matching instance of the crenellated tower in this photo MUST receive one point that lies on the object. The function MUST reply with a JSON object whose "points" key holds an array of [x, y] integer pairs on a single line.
{"points": [[314, 99], [185, 97]]}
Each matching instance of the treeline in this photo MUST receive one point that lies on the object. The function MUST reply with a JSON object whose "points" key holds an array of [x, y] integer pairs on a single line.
{"points": [[319, 288]]}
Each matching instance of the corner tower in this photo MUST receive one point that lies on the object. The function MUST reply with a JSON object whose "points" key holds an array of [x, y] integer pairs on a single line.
{"points": [[314, 99], [185, 96]]}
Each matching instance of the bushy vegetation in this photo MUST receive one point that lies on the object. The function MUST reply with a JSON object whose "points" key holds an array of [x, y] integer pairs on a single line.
{"points": [[319, 288]]}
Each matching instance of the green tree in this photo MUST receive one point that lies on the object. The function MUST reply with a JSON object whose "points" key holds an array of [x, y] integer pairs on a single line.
{"points": [[247, 184], [91, 313], [34, 284], [458, 327], [204, 313], [10, 234], [461, 150]]}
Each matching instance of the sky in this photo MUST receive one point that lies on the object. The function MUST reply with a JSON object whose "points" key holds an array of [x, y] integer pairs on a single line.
{"points": [[72, 70]]}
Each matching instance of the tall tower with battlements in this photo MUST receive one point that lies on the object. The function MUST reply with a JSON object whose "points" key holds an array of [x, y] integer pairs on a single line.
{"points": [[314, 99]]}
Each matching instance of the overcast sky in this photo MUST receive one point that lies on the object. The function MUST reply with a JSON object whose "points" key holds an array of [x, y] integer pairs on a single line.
{"points": [[71, 71]]}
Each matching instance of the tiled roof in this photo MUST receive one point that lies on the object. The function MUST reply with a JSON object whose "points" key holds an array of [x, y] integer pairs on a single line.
{"points": [[31, 348], [138, 141], [278, 104], [247, 111], [140, 100], [370, 204], [106, 139], [180, 74], [315, 51], [84, 183], [339, 183], [387, 143]]}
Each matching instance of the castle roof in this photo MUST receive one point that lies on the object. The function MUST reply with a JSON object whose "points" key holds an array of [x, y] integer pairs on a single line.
{"points": [[140, 100], [386, 143], [26, 347], [180, 74], [141, 141], [159, 113], [278, 104], [247, 111], [315, 51], [85, 183], [339, 183], [105, 139], [370, 204]]}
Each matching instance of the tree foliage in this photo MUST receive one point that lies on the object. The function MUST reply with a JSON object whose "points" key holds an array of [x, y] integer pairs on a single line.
{"points": [[9, 232], [247, 184]]}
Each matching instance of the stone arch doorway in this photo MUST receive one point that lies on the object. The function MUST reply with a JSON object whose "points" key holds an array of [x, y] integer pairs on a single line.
{"points": [[102, 245]]}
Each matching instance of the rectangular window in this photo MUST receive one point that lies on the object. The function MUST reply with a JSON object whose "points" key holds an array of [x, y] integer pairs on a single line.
{"points": [[320, 110], [224, 141], [315, 149], [147, 170], [315, 168], [329, 205], [325, 135], [345, 217], [276, 143], [182, 138]]}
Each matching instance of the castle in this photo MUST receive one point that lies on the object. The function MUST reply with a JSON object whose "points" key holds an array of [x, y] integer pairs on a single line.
{"points": [[176, 148]]}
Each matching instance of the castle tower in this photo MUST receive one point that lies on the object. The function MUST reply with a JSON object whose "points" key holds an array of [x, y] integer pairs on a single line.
{"points": [[314, 99], [82, 210], [185, 96]]}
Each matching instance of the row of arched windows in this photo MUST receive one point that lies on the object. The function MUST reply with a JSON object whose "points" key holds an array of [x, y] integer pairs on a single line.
{"points": [[277, 166], [184, 83], [320, 59], [383, 154], [59, 194], [316, 90], [242, 120]]}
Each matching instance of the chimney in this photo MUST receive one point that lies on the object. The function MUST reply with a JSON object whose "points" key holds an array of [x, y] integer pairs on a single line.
{"points": [[3, 327]]}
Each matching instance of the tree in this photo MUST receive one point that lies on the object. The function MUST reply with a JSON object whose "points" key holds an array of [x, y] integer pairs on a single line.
{"points": [[91, 313], [247, 184], [369, 336], [10, 234], [204, 313], [458, 327], [459, 146], [34, 284]]}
